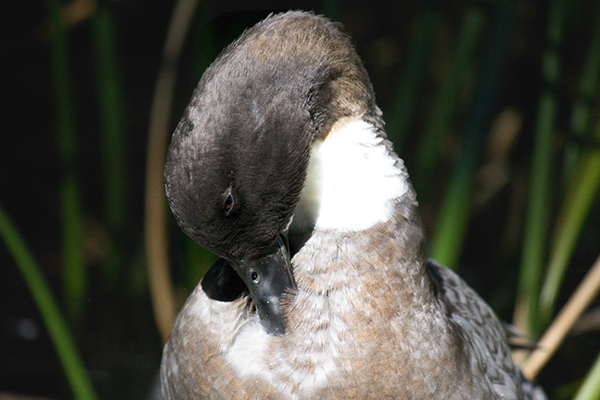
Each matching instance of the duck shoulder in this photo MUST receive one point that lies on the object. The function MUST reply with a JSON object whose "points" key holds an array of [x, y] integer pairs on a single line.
{"points": [[483, 333]]}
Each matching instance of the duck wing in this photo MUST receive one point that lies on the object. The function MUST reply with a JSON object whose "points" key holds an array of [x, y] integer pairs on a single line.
{"points": [[484, 334]]}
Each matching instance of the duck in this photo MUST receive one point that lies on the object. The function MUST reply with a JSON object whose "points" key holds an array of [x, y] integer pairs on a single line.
{"points": [[281, 166]]}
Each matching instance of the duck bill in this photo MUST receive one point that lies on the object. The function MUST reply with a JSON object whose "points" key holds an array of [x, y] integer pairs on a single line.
{"points": [[267, 278]]}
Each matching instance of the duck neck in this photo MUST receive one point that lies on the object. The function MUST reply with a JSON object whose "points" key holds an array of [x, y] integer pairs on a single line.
{"points": [[357, 194], [354, 180]]}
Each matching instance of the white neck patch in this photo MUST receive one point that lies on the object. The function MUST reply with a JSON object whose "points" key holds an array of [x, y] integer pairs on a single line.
{"points": [[352, 180]]}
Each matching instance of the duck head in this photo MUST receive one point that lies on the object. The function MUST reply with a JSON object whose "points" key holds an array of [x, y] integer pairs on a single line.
{"points": [[238, 159]]}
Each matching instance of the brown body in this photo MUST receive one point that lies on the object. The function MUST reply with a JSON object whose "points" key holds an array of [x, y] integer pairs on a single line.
{"points": [[369, 317], [363, 324]]}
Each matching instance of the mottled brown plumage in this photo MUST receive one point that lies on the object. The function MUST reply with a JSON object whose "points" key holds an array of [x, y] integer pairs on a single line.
{"points": [[367, 316]]}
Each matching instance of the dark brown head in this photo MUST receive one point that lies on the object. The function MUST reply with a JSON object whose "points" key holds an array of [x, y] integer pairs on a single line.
{"points": [[238, 159]]}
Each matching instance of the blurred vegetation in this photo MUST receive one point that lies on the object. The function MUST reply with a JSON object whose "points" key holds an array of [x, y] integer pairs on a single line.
{"points": [[493, 105]]}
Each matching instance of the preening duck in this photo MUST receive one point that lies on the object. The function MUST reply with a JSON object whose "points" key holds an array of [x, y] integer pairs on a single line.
{"points": [[281, 166]]}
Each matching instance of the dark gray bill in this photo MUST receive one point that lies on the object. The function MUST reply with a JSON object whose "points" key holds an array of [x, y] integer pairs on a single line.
{"points": [[268, 277]]}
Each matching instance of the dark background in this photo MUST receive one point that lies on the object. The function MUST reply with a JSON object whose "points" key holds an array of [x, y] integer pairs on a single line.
{"points": [[116, 334]]}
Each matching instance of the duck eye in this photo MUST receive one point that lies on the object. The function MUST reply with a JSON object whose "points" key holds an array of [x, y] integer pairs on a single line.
{"points": [[228, 205], [254, 277]]}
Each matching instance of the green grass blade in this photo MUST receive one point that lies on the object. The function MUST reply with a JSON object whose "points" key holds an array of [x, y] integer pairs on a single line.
{"points": [[74, 273], [75, 277], [113, 132], [581, 195], [536, 223], [580, 118], [398, 120], [446, 103], [451, 227], [64, 344], [453, 219], [590, 390]]}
